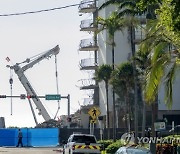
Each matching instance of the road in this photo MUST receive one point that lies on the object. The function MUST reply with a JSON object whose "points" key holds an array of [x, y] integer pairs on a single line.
{"points": [[27, 150]]}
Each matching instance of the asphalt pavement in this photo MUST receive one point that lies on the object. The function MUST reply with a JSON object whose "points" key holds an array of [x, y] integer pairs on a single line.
{"points": [[27, 150]]}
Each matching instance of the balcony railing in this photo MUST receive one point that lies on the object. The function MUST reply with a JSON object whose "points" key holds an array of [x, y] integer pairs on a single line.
{"points": [[88, 64], [87, 25], [88, 45], [139, 36], [87, 6], [141, 18], [87, 84], [88, 101]]}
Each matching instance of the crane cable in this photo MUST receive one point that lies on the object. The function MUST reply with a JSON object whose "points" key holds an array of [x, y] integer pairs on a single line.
{"points": [[11, 82], [57, 85]]}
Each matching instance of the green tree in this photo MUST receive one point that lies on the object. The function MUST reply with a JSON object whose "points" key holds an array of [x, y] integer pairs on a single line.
{"points": [[124, 7], [123, 81], [164, 54], [111, 24], [169, 12], [103, 73], [127, 10], [143, 63]]}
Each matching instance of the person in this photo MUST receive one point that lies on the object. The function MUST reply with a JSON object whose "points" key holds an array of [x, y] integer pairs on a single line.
{"points": [[20, 136]]}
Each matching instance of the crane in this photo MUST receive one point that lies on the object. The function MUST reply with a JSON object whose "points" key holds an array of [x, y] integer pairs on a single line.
{"points": [[26, 84]]}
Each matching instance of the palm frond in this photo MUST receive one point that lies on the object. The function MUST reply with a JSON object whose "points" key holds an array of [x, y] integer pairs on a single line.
{"points": [[169, 85], [154, 78], [110, 2], [127, 4], [103, 73], [125, 12], [159, 50]]}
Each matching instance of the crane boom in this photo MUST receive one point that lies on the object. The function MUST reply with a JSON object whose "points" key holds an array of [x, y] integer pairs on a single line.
{"points": [[48, 54], [26, 84]]}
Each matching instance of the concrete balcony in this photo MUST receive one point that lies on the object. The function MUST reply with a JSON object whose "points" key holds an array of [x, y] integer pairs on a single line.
{"points": [[86, 84], [87, 6], [88, 25], [88, 45], [88, 64]]}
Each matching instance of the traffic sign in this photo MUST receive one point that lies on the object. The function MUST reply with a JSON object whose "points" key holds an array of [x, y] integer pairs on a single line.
{"points": [[93, 121], [94, 113], [158, 126], [53, 97]]}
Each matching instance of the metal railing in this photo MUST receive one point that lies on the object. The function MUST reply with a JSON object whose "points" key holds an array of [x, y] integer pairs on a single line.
{"points": [[87, 43], [89, 62], [139, 34], [86, 4], [87, 84], [87, 24]]}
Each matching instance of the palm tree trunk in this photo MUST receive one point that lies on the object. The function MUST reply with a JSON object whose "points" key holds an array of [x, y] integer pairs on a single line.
{"points": [[128, 108], [114, 108], [107, 112], [126, 111], [153, 119], [132, 35], [153, 145], [144, 119]]}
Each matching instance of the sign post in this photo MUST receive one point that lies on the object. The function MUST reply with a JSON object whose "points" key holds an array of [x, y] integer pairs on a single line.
{"points": [[94, 113]]}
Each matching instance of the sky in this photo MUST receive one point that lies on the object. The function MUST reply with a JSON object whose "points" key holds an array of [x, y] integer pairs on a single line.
{"points": [[23, 37]]}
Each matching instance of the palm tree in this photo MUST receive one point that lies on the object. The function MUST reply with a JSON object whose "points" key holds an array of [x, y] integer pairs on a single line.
{"points": [[112, 24], [124, 7], [132, 8], [122, 81], [104, 73], [129, 8], [143, 64], [157, 46], [163, 53]]}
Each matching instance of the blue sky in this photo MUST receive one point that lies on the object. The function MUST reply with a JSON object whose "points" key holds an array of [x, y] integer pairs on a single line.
{"points": [[28, 35]]}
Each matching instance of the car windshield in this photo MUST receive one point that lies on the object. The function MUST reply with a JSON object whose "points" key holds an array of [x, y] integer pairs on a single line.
{"points": [[124, 150], [137, 151], [84, 139]]}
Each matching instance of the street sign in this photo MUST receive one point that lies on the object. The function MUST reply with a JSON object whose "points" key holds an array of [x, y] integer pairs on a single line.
{"points": [[53, 97], [93, 121], [158, 126], [94, 113]]}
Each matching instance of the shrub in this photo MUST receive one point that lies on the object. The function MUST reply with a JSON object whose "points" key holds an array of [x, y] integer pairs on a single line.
{"points": [[105, 143], [165, 148], [112, 148]]}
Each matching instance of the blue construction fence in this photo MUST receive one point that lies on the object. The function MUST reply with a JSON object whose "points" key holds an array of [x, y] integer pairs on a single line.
{"points": [[32, 137]]}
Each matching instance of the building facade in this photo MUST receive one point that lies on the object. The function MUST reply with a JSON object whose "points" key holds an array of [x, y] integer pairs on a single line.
{"points": [[123, 53], [99, 44]]}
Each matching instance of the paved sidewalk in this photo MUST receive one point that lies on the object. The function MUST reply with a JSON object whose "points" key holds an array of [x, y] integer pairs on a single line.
{"points": [[27, 150]]}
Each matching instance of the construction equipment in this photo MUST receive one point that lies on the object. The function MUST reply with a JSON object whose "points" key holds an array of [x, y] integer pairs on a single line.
{"points": [[26, 84]]}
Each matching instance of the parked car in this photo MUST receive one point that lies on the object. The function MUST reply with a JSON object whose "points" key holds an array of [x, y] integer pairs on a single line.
{"points": [[132, 150]]}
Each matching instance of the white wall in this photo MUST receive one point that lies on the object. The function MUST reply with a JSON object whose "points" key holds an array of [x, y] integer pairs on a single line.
{"points": [[122, 50]]}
